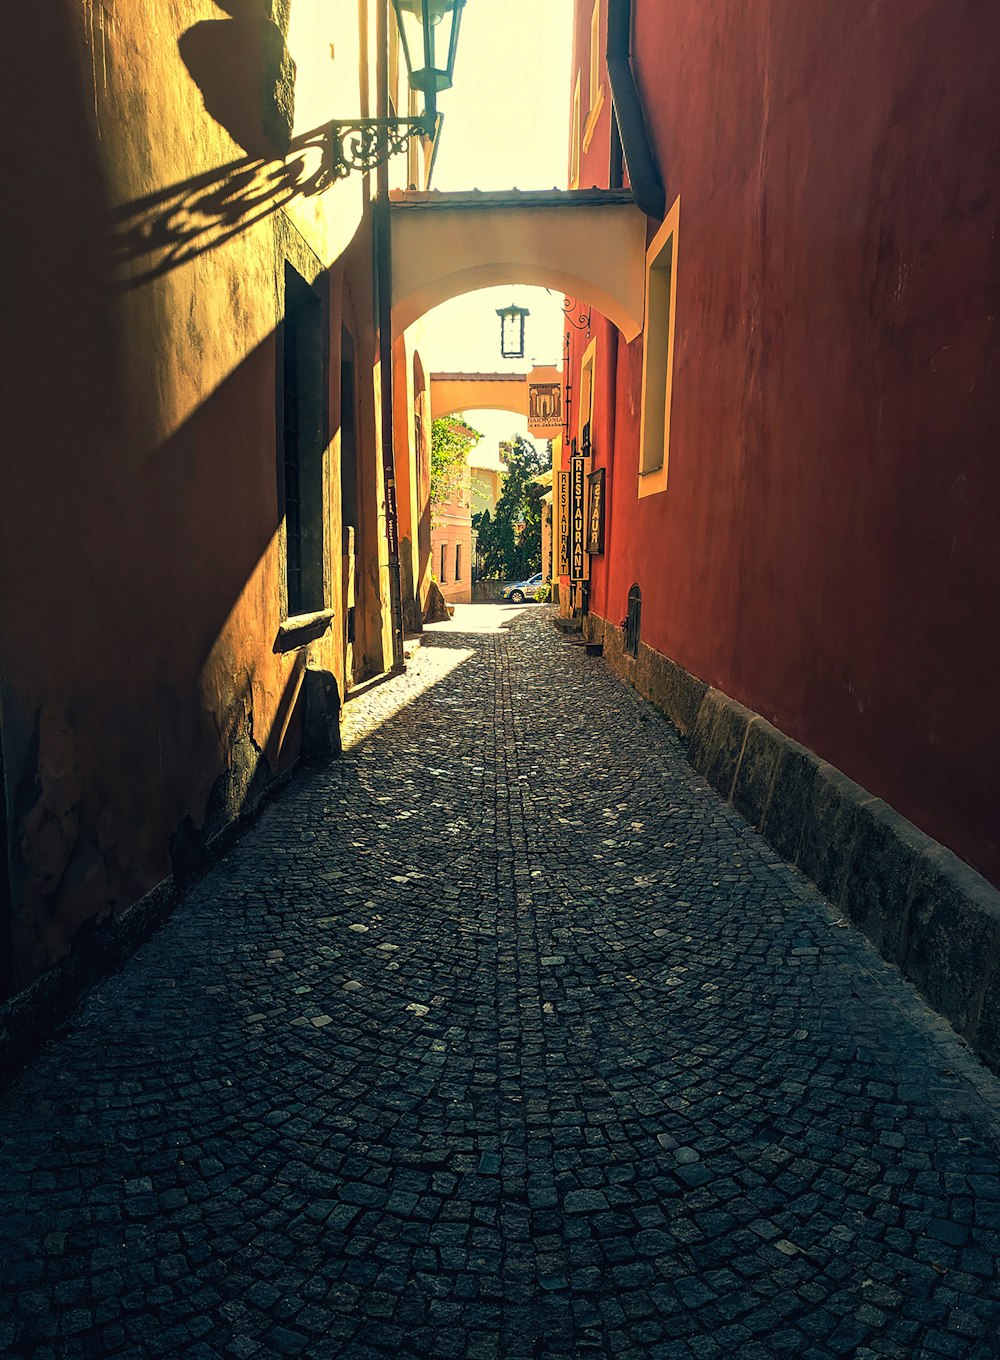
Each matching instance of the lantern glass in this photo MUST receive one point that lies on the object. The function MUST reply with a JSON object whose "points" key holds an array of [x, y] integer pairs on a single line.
{"points": [[512, 331], [428, 31]]}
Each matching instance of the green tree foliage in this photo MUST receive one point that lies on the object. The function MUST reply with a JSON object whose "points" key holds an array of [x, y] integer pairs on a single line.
{"points": [[504, 552], [451, 442]]}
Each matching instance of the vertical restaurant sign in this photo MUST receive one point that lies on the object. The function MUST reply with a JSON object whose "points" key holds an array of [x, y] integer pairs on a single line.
{"points": [[595, 512], [577, 487], [562, 524]]}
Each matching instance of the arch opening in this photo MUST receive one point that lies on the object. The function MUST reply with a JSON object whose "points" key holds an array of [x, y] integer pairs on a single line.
{"points": [[590, 246]]}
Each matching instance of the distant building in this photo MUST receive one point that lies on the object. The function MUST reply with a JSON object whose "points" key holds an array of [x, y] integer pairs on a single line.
{"points": [[795, 533], [452, 537]]}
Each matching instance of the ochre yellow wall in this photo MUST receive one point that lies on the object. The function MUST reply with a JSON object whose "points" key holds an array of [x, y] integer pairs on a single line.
{"points": [[141, 551]]}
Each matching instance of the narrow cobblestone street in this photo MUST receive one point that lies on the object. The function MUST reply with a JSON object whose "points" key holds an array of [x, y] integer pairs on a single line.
{"points": [[502, 1037]]}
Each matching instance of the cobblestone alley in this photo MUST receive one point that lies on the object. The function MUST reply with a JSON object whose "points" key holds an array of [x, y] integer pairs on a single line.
{"points": [[502, 1037]]}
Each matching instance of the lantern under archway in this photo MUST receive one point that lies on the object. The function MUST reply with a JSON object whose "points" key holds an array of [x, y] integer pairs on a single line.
{"points": [[512, 331]]}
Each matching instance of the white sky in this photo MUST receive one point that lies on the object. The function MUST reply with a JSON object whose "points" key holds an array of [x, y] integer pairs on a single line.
{"points": [[506, 122], [506, 126]]}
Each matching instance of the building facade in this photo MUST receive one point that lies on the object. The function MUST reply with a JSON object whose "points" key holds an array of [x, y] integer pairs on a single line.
{"points": [[452, 536], [198, 540], [800, 482]]}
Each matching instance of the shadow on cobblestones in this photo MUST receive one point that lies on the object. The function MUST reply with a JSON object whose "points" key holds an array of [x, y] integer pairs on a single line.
{"points": [[501, 1037]]}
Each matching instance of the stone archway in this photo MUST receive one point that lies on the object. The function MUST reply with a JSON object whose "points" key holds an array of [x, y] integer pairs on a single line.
{"points": [[454, 392], [588, 244]]}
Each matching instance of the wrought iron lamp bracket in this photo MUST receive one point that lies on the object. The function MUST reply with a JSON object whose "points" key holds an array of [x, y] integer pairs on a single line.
{"points": [[367, 143], [578, 320]]}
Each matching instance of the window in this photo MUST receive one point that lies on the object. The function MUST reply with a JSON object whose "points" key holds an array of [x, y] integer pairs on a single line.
{"points": [[585, 418], [595, 87], [658, 356], [303, 445], [574, 158], [458, 561], [444, 561]]}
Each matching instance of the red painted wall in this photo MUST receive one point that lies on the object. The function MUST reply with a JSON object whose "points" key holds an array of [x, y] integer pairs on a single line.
{"points": [[825, 550]]}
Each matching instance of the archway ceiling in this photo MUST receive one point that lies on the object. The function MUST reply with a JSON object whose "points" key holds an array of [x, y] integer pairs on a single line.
{"points": [[587, 243], [451, 392]]}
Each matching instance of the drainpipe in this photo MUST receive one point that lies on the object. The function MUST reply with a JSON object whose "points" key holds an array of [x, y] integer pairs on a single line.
{"points": [[644, 176], [383, 288]]}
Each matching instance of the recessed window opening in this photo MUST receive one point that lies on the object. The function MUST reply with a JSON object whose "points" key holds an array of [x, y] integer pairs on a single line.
{"points": [[444, 561], [303, 444], [458, 561], [658, 355]]}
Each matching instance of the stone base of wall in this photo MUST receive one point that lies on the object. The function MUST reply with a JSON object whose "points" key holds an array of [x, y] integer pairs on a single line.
{"points": [[102, 947], [656, 677], [922, 907]]}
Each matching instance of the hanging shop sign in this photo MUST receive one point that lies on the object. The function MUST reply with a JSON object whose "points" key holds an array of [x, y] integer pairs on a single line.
{"points": [[595, 511], [577, 511], [561, 521], [545, 403]]}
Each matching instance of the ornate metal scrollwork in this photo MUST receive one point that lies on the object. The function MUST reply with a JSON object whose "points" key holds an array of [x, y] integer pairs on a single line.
{"points": [[579, 320], [368, 143]]}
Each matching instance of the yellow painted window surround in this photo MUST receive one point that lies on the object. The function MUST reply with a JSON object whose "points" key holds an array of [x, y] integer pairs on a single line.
{"points": [[595, 54], [588, 367], [574, 164], [595, 92], [658, 355]]}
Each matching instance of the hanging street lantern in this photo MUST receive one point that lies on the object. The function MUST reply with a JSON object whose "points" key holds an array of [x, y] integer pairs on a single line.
{"points": [[428, 33], [512, 331]]}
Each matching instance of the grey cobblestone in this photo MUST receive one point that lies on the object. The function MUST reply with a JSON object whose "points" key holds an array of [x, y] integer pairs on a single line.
{"points": [[501, 1038]]}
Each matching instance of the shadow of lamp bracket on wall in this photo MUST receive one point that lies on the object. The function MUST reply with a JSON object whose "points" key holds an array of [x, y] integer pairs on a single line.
{"points": [[247, 80]]}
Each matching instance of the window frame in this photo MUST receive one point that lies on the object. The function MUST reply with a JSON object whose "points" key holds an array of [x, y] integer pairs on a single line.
{"points": [[659, 336], [303, 439], [574, 155], [595, 86], [587, 387]]}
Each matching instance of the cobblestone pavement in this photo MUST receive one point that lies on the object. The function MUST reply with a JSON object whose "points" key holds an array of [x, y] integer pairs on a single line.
{"points": [[502, 1037]]}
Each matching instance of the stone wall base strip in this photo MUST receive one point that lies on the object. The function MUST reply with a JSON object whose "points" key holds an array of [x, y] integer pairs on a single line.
{"points": [[923, 908], [670, 687], [102, 946]]}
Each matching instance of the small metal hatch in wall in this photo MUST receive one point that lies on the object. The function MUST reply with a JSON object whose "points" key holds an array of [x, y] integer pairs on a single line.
{"points": [[633, 621]]}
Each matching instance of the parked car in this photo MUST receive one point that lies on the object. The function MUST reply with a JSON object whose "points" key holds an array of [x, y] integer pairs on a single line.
{"points": [[519, 591]]}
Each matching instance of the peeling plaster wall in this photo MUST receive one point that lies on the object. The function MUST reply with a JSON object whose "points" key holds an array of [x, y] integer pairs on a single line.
{"points": [[142, 552]]}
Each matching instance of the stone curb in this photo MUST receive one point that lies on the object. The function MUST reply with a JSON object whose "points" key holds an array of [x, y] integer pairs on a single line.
{"points": [[924, 909]]}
